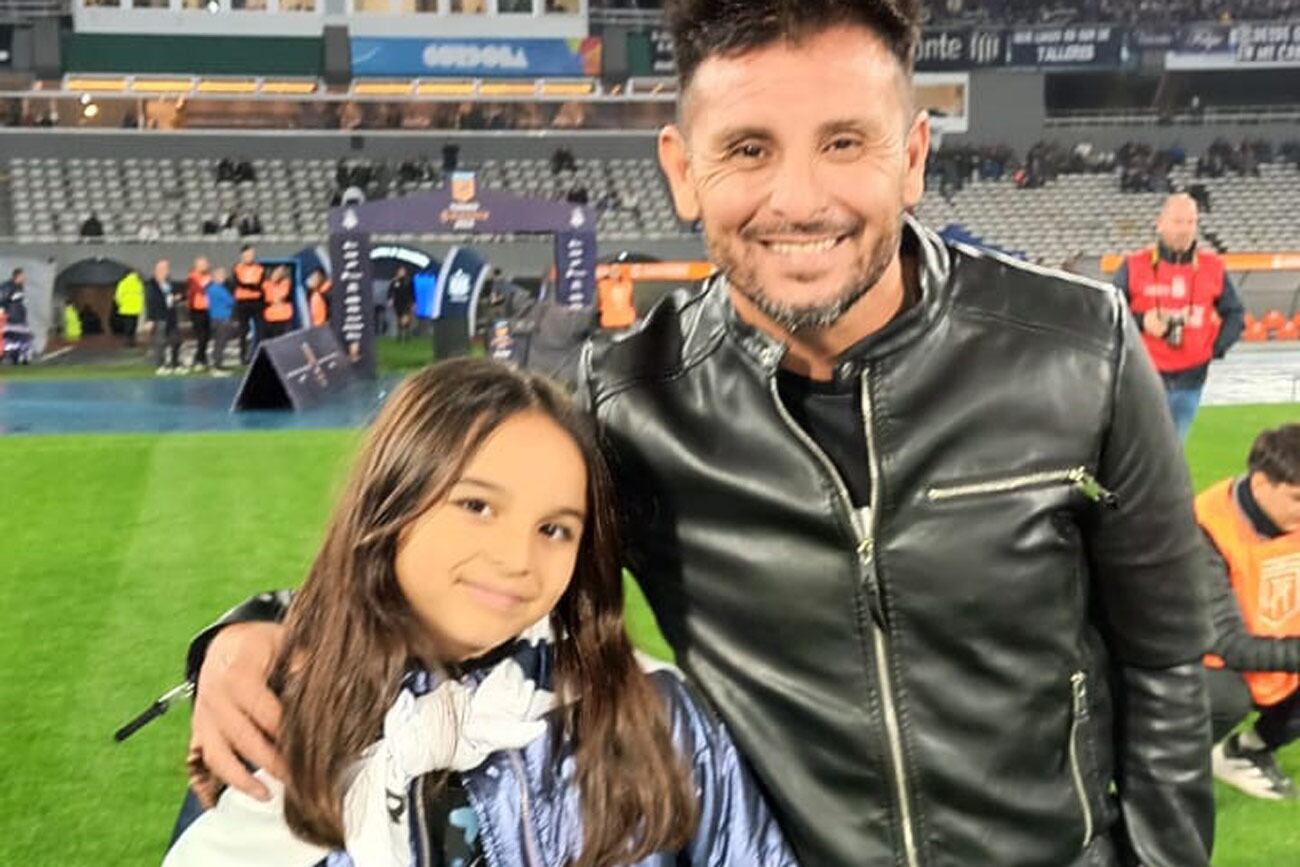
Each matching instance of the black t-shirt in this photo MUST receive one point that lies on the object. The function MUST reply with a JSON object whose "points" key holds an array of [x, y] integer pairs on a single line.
{"points": [[831, 412], [454, 839]]}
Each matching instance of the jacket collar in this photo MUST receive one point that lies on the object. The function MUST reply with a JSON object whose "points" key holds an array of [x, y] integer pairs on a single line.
{"points": [[934, 270]]}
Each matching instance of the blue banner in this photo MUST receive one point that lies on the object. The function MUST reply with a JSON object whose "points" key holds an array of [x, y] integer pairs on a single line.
{"points": [[475, 58]]}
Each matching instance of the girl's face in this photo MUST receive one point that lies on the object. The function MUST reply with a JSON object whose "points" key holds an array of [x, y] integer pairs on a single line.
{"points": [[494, 556]]}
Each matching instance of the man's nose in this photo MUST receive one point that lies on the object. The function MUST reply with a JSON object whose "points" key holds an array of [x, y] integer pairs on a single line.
{"points": [[796, 193]]}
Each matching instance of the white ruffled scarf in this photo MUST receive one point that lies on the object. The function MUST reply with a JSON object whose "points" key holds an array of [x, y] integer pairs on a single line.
{"points": [[454, 726]]}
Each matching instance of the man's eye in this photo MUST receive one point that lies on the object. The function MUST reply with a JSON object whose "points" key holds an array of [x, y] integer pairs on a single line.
{"points": [[844, 145], [557, 532], [748, 151]]}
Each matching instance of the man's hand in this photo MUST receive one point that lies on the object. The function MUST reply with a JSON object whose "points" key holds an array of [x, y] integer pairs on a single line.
{"points": [[1155, 324], [236, 716]]}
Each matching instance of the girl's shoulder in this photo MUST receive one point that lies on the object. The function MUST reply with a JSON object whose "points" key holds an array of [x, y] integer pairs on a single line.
{"points": [[694, 724]]}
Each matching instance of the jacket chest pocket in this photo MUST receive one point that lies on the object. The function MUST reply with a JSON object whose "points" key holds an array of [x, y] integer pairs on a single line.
{"points": [[1078, 479]]}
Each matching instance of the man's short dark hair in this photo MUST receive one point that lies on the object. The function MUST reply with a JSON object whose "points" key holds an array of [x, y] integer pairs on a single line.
{"points": [[18, 272], [1276, 454], [707, 28]]}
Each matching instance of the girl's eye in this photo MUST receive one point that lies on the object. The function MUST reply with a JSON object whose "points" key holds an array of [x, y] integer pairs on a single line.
{"points": [[557, 532], [476, 506]]}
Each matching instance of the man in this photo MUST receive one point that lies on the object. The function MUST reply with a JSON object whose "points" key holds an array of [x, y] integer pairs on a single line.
{"points": [[401, 296], [318, 289], [1185, 304], [13, 297], [196, 300], [221, 309], [163, 300], [128, 298], [905, 511], [1253, 525], [249, 275]]}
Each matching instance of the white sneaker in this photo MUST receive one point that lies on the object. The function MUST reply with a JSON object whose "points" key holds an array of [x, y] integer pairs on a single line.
{"points": [[1255, 772], [220, 373], [163, 371]]}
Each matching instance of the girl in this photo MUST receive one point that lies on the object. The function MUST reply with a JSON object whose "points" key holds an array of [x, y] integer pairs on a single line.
{"points": [[458, 686]]}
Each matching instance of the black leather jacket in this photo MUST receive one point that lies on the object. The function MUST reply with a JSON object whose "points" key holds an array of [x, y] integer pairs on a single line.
{"points": [[998, 664]]}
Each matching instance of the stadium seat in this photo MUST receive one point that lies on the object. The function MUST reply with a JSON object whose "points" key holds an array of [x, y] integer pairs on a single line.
{"points": [[1256, 333]]}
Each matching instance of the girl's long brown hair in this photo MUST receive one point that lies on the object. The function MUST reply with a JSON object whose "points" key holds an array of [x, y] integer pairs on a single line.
{"points": [[350, 632]]}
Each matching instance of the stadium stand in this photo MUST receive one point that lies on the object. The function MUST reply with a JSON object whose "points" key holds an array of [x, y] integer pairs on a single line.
{"points": [[133, 198]]}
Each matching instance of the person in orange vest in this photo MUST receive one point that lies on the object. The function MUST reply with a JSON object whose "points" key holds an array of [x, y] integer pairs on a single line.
{"points": [[196, 300], [1253, 525], [249, 276], [615, 297], [1186, 306], [318, 287], [278, 291]]}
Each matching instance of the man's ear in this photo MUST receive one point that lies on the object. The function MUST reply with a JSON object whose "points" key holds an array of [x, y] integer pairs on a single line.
{"points": [[918, 150], [676, 164]]}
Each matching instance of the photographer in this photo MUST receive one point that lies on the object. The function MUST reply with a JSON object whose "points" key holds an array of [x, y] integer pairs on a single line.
{"points": [[1185, 304]]}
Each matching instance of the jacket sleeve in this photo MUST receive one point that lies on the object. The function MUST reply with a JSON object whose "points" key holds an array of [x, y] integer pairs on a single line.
{"points": [[735, 827], [1233, 314], [264, 607], [1146, 556], [1240, 650]]}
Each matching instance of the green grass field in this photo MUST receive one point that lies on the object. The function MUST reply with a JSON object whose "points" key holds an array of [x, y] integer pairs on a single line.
{"points": [[118, 548]]}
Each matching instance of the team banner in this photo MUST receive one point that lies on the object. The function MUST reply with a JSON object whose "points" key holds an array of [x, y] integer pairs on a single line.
{"points": [[575, 268], [943, 50], [1268, 43], [475, 58], [1067, 46], [352, 303]]}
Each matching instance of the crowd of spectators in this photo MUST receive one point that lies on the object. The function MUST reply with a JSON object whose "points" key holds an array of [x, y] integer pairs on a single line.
{"points": [[1002, 12], [1141, 168]]}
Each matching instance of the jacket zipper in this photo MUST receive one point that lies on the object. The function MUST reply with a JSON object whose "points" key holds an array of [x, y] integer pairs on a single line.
{"points": [[532, 855], [1079, 478], [416, 805], [866, 554], [1079, 709]]}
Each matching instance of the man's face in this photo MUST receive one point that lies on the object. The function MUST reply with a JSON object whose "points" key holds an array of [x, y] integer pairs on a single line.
{"points": [[1177, 224], [800, 159], [162, 270], [1280, 501], [247, 256]]}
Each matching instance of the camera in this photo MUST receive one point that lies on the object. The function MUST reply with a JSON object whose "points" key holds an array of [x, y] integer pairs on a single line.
{"points": [[1174, 331]]}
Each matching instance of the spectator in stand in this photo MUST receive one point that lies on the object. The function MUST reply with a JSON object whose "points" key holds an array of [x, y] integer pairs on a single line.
{"points": [[1185, 304], [163, 301], [1253, 525], [92, 227], [196, 299], [221, 310]]}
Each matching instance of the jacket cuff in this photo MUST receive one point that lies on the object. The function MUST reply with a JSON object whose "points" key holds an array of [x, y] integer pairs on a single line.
{"points": [[262, 608]]}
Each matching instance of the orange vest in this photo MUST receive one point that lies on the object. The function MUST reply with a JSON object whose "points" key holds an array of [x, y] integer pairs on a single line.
{"points": [[1189, 291], [278, 307], [615, 298], [248, 282], [196, 290], [319, 310], [1265, 576]]}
